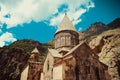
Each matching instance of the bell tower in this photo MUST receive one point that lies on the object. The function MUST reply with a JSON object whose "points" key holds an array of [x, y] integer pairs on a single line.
{"points": [[35, 65], [66, 36]]}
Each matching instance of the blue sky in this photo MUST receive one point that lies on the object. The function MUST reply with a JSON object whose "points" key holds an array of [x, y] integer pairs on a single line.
{"points": [[39, 19]]}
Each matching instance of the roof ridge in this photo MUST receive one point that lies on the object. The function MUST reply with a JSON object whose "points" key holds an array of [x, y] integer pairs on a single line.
{"points": [[54, 53], [74, 48]]}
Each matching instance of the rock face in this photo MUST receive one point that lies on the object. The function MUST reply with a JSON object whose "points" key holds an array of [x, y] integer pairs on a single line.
{"points": [[114, 24], [107, 45], [97, 28], [12, 61], [94, 30], [14, 58]]}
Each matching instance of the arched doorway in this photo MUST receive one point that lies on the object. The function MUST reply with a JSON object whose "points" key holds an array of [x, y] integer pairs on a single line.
{"points": [[97, 73], [77, 72]]}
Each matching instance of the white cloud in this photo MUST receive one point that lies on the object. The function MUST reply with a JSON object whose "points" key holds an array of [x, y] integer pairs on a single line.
{"points": [[55, 20], [72, 15], [0, 27], [0, 31], [6, 37], [24, 11], [80, 29], [2, 43], [75, 11]]}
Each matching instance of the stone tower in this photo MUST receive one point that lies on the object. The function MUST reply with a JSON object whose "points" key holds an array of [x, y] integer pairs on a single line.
{"points": [[35, 66], [66, 37]]}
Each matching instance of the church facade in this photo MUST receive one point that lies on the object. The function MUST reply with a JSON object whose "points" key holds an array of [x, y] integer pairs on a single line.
{"points": [[69, 60]]}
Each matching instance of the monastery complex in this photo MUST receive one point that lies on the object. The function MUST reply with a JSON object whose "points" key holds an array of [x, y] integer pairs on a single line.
{"points": [[69, 60]]}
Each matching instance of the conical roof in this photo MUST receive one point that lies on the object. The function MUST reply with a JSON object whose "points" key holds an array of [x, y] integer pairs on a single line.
{"points": [[66, 24], [35, 51]]}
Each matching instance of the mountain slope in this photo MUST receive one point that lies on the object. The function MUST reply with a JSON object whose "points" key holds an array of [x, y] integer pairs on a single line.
{"points": [[97, 28], [13, 58], [114, 24], [107, 46]]}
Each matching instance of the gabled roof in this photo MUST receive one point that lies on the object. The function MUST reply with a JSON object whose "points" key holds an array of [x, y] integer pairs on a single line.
{"points": [[64, 49], [35, 51], [77, 46], [73, 49], [66, 24], [54, 53]]}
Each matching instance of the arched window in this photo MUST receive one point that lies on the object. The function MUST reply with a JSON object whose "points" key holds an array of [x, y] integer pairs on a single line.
{"points": [[55, 43], [52, 73], [77, 72], [68, 41], [62, 41], [73, 40], [58, 42], [97, 74], [47, 65]]}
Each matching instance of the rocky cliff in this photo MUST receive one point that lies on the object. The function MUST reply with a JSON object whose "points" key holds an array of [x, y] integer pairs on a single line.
{"points": [[105, 42], [13, 58]]}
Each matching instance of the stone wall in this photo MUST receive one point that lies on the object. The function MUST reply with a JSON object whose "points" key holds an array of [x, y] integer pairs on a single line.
{"points": [[48, 67], [69, 69], [24, 74], [88, 67], [34, 71], [57, 72], [82, 64]]}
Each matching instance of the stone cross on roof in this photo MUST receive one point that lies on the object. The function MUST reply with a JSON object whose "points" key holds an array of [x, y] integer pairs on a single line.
{"points": [[65, 11]]}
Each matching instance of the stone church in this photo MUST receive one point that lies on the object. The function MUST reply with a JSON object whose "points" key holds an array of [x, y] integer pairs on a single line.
{"points": [[69, 60]]}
